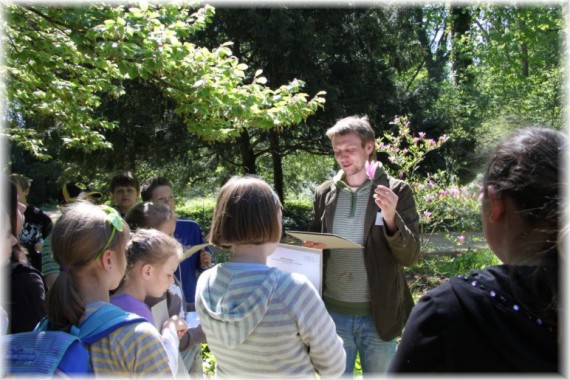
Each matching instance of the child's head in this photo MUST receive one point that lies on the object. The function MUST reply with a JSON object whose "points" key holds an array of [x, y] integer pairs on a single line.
{"points": [[124, 190], [247, 212], [88, 242], [158, 190], [23, 184], [525, 170], [154, 256], [152, 215]]}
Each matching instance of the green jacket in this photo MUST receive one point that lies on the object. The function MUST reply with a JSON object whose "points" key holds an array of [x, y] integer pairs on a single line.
{"points": [[384, 255]]}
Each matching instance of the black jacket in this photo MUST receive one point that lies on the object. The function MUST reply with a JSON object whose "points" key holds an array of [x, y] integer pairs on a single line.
{"points": [[475, 324]]}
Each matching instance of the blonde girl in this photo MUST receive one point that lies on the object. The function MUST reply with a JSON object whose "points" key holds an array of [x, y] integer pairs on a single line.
{"points": [[161, 217], [89, 243], [152, 258]]}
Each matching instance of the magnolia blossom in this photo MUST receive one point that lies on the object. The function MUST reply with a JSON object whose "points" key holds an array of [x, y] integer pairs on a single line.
{"points": [[426, 214], [422, 134], [392, 159], [461, 239], [371, 169]]}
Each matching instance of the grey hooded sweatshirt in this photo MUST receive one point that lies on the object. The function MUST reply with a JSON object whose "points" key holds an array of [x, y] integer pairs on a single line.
{"points": [[263, 322]]}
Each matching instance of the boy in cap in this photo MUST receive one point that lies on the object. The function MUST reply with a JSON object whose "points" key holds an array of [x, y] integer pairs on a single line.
{"points": [[69, 193]]}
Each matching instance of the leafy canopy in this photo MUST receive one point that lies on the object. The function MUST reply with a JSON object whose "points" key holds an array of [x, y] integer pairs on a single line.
{"points": [[61, 61]]}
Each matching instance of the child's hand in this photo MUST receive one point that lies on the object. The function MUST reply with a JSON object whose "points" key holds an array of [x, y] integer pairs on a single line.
{"points": [[205, 259], [178, 323]]}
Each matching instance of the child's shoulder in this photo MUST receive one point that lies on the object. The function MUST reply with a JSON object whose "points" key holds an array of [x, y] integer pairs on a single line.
{"points": [[293, 282]]}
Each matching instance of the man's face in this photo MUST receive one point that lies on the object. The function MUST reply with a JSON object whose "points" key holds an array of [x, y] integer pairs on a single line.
{"points": [[350, 154], [163, 194], [125, 197]]}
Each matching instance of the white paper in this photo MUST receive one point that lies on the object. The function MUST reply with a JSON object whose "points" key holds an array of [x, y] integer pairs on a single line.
{"points": [[379, 218], [296, 259]]}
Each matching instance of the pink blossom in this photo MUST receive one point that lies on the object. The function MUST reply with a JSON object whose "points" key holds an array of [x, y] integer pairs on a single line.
{"points": [[416, 140], [461, 239], [428, 197], [453, 191], [371, 169], [443, 138], [405, 151], [431, 142], [422, 134], [426, 214], [392, 159], [443, 193]]}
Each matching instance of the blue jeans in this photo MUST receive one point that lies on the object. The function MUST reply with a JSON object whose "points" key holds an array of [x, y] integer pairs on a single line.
{"points": [[359, 335]]}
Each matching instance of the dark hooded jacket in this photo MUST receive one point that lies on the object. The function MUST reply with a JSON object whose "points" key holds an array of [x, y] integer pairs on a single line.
{"points": [[477, 323], [385, 255]]}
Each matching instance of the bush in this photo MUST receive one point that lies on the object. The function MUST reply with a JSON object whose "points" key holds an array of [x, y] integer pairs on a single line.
{"points": [[296, 214]]}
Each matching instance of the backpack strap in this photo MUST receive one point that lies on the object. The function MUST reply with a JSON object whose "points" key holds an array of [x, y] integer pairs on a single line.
{"points": [[104, 321]]}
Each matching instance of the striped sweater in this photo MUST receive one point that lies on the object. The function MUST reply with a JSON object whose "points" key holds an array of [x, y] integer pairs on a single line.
{"points": [[133, 350], [263, 322]]}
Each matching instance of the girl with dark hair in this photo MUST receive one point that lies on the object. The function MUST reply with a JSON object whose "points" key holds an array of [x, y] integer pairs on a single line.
{"points": [[27, 285], [503, 318]]}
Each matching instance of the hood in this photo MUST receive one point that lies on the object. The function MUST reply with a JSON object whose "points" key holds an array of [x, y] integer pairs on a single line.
{"points": [[524, 340], [234, 301]]}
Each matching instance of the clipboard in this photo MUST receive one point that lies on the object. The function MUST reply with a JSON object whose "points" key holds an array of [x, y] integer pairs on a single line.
{"points": [[332, 241], [192, 250]]}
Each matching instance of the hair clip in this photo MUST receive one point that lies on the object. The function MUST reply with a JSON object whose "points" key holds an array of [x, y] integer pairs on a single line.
{"points": [[116, 222]]}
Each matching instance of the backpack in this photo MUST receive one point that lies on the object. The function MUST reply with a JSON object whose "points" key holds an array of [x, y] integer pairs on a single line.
{"points": [[49, 353]]}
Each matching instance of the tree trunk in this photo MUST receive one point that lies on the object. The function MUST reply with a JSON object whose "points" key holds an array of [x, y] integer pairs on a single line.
{"points": [[247, 153], [461, 19], [274, 148]]}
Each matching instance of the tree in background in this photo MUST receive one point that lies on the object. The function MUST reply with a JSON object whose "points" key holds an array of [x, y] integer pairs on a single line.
{"points": [[61, 62], [469, 72]]}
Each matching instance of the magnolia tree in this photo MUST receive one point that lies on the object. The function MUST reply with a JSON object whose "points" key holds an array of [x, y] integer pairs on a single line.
{"points": [[443, 204], [60, 61]]}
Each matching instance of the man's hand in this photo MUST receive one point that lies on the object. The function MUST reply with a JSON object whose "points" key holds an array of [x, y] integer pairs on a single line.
{"points": [[312, 244], [387, 200]]}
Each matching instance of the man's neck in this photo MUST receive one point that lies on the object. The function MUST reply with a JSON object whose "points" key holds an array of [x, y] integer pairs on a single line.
{"points": [[356, 180]]}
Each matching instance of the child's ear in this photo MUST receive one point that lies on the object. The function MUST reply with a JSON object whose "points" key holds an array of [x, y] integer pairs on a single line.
{"points": [[107, 260], [497, 206], [146, 271]]}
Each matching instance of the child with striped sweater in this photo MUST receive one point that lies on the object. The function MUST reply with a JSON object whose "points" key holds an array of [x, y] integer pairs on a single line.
{"points": [[261, 321]]}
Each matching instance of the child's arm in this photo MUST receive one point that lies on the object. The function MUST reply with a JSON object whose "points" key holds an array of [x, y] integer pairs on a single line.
{"points": [[172, 330]]}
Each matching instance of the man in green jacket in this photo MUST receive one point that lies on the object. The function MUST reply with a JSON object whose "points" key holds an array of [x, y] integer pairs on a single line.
{"points": [[365, 290]]}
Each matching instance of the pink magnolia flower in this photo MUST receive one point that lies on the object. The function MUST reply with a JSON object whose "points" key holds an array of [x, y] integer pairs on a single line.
{"points": [[422, 134], [426, 214], [392, 159], [443, 138], [428, 197], [431, 142], [371, 169], [416, 140], [461, 239]]}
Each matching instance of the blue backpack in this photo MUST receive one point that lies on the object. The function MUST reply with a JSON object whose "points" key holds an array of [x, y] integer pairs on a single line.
{"points": [[49, 353]]}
